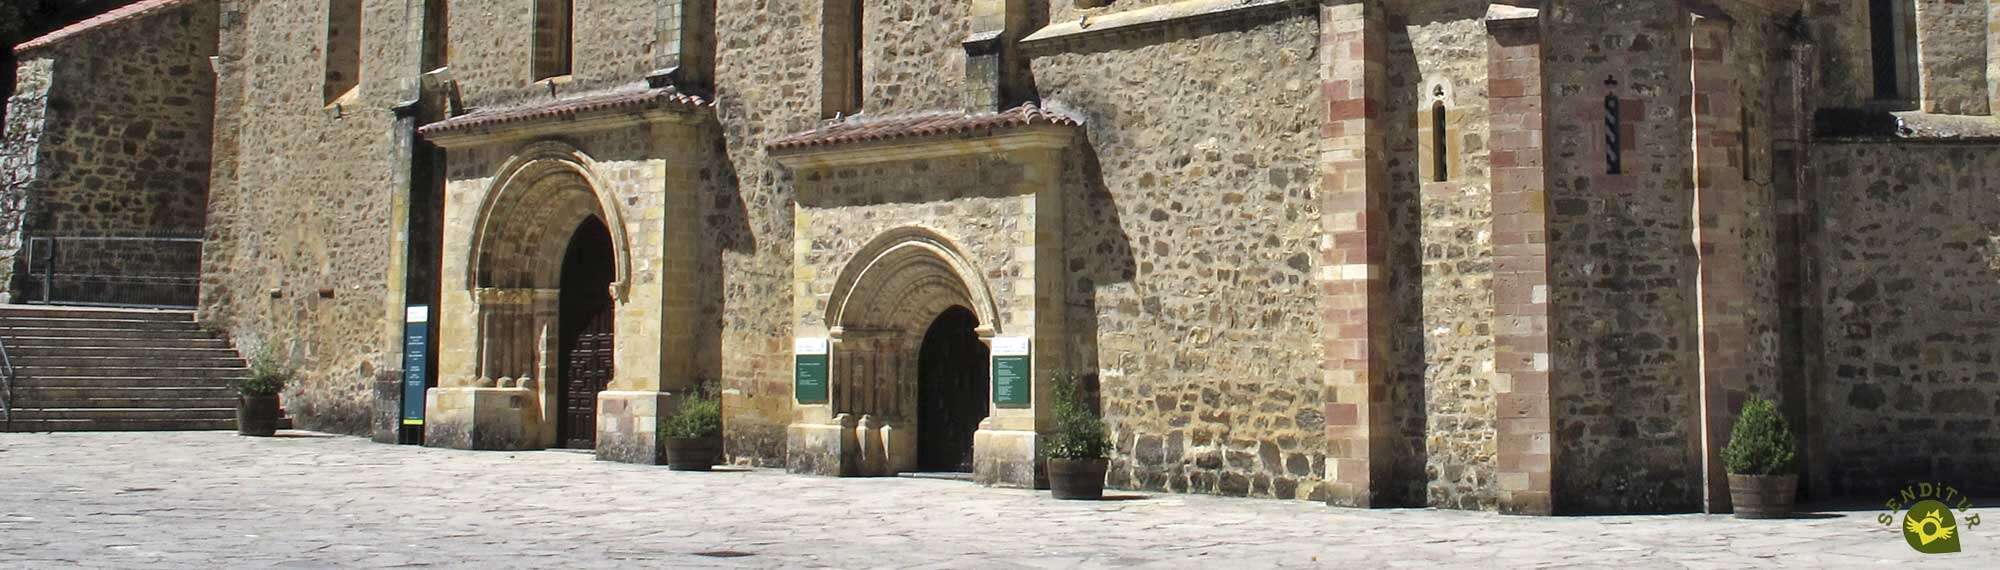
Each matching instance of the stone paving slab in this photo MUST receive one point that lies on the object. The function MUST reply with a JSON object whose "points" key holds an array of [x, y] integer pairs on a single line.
{"points": [[212, 499]]}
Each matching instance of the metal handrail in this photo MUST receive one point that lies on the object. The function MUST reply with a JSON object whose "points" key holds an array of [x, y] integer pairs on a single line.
{"points": [[6, 385], [102, 280]]}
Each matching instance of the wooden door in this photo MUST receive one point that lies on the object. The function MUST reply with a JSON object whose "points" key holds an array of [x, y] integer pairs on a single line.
{"points": [[586, 370], [954, 378]]}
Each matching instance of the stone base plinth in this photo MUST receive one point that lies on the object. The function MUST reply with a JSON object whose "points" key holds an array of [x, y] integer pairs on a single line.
{"points": [[847, 447], [385, 420], [1007, 458], [482, 418], [829, 449], [630, 425]]}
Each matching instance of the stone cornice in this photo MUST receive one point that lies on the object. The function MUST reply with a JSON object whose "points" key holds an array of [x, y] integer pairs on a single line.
{"points": [[923, 148], [1060, 36], [566, 117]]}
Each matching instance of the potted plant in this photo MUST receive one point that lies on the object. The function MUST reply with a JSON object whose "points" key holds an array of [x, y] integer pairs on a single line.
{"points": [[1079, 449], [694, 434], [257, 394], [1759, 457]]}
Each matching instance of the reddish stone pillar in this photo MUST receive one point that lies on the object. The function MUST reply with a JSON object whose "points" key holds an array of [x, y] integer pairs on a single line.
{"points": [[1521, 328], [1353, 251], [1720, 222]]}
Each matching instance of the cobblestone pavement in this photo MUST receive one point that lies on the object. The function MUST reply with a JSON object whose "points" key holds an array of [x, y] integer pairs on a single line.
{"points": [[212, 499]]}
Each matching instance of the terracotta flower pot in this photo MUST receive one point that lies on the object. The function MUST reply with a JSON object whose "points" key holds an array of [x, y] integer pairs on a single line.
{"points": [[1077, 479], [257, 414], [1762, 496], [693, 453]]}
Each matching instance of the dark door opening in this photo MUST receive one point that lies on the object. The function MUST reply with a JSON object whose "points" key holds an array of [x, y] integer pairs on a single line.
{"points": [[952, 387], [585, 345]]}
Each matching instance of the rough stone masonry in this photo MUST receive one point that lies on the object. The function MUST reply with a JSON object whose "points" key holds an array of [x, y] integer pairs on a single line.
{"points": [[1522, 256]]}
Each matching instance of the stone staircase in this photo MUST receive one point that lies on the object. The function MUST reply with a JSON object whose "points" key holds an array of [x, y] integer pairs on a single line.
{"points": [[90, 369]]}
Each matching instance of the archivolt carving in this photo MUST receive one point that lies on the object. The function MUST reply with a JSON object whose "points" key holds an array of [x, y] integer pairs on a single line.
{"points": [[901, 262], [536, 200]]}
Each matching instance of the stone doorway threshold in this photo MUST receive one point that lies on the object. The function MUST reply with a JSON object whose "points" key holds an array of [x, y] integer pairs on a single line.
{"points": [[939, 475]]}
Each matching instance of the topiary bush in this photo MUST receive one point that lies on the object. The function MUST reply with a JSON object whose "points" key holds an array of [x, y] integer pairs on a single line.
{"points": [[699, 416], [1761, 442], [269, 373], [1079, 433]]}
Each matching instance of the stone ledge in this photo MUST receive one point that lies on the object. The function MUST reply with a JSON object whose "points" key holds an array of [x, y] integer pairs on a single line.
{"points": [[592, 112], [1056, 36], [1866, 125]]}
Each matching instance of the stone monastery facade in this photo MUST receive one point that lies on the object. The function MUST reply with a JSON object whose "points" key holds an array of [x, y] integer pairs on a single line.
{"points": [[1525, 256]]}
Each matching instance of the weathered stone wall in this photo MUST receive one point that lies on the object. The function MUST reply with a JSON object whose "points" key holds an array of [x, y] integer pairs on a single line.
{"points": [[27, 112], [1622, 269], [300, 214], [1071, 10], [1193, 221], [767, 87], [1441, 259], [1909, 291], [911, 55], [614, 43], [1951, 54], [124, 114], [1846, 62]]}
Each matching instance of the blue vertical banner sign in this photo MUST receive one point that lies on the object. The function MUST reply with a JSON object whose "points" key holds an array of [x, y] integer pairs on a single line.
{"points": [[416, 362]]}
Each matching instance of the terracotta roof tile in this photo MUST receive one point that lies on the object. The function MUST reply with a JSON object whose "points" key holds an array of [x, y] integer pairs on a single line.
{"points": [[124, 13], [862, 128], [564, 108]]}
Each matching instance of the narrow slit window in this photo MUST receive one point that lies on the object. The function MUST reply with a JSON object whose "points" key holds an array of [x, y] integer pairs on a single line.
{"points": [[555, 21], [1882, 32], [1440, 147], [437, 34], [343, 48], [840, 70]]}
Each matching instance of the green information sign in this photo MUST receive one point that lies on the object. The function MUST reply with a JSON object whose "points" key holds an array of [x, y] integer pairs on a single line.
{"points": [[810, 378], [1011, 385], [811, 388]]}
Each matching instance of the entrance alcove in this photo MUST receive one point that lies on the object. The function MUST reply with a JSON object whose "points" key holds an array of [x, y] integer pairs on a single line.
{"points": [[587, 340], [928, 246], [911, 344], [568, 307], [548, 261]]}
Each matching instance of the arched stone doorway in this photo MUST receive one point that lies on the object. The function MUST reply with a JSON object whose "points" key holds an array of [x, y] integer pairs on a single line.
{"points": [[952, 386], [911, 319], [587, 338], [521, 182]]}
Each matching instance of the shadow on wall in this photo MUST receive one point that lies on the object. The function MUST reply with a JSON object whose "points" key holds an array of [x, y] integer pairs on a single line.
{"points": [[725, 218], [1408, 354], [1100, 253]]}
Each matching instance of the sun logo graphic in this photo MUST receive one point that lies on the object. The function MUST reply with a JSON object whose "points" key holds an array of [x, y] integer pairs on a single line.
{"points": [[1930, 528], [1929, 525]]}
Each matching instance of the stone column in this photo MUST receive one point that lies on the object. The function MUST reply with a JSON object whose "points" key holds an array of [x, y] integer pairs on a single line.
{"points": [[1006, 449], [488, 408], [656, 311], [1521, 328], [1723, 286], [1354, 247]]}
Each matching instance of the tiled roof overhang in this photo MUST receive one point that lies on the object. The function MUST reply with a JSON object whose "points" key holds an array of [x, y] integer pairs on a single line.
{"points": [[124, 13], [862, 139], [585, 113]]}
